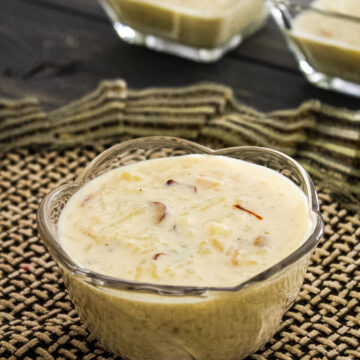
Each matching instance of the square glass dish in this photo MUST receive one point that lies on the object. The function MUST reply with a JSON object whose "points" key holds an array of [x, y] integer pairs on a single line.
{"points": [[161, 322], [198, 30], [324, 36]]}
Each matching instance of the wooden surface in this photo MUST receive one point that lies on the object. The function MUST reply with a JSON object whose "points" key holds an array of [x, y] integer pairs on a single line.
{"points": [[59, 51]]}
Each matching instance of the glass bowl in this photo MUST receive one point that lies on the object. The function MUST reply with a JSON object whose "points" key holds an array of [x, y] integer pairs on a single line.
{"points": [[161, 322], [198, 30], [325, 40]]}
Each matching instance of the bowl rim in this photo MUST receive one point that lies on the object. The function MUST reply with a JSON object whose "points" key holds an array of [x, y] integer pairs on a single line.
{"points": [[292, 5], [94, 278]]}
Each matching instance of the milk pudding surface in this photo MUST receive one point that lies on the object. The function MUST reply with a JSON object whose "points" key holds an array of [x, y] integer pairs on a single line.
{"points": [[194, 220]]}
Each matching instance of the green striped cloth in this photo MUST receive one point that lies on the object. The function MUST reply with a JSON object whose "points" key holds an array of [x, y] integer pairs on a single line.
{"points": [[324, 139]]}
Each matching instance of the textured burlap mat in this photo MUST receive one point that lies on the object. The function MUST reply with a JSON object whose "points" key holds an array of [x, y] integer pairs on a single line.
{"points": [[324, 139], [42, 151]]}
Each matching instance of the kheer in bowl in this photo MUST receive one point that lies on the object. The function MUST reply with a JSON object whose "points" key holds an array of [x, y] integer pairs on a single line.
{"points": [[171, 250], [201, 30], [324, 36]]}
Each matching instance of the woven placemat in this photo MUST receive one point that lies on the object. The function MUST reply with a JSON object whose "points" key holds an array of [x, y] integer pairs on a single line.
{"points": [[37, 318], [326, 140]]}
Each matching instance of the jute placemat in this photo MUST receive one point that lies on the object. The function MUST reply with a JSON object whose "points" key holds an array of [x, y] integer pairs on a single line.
{"points": [[324, 139], [42, 151]]}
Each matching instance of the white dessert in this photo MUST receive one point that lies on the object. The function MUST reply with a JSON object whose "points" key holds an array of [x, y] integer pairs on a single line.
{"points": [[196, 220], [201, 23], [330, 43]]}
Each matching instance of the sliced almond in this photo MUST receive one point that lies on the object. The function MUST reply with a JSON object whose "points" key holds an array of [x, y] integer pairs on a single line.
{"points": [[206, 182], [157, 255], [87, 199], [261, 241], [161, 211], [172, 182], [216, 228]]}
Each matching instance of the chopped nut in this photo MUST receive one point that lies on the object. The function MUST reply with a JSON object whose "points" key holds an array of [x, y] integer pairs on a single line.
{"points": [[217, 244], [156, 256], [261, 241], [206, 183], [171, 182], [161, 209], [251, 262], [129, 177], [219, 229], [87, 199]]}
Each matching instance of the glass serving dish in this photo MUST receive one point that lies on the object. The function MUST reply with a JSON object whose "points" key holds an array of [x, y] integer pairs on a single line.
{"points": [[202, 30], [161, 322], [324, 35]]}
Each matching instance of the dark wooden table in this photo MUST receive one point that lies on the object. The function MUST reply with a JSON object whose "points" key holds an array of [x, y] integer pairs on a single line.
{"points": [[60, 50]]}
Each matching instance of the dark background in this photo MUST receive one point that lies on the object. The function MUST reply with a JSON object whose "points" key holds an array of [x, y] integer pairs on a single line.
{"points": [[60, 50]]}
